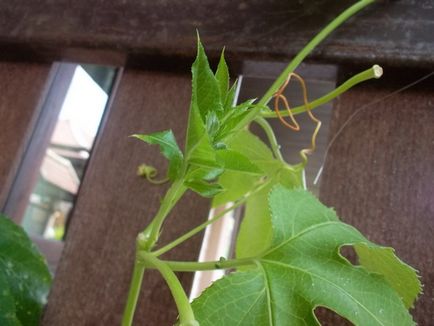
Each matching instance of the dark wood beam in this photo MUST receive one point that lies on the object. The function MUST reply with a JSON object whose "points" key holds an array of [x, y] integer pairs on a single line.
{"points": [[389, 32]]}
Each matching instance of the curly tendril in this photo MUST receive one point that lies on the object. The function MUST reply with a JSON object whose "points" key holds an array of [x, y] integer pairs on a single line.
{"points": [[293, 124], [149, 172]]}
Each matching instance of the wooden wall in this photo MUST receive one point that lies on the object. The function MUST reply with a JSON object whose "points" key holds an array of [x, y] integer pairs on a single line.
{"points": [[22, 86]]}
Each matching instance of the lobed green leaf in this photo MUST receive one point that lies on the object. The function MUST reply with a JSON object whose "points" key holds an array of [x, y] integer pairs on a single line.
{"points": [[303, 269]]}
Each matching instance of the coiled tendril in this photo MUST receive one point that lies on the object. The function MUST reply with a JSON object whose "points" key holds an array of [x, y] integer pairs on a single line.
{"points": [[293, 124]]}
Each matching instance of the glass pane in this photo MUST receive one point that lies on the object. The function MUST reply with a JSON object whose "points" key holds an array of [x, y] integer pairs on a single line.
{"points": [[68, 151]]}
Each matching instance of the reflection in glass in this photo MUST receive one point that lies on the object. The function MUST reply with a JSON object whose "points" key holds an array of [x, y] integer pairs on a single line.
{"points": [[65, 159]]}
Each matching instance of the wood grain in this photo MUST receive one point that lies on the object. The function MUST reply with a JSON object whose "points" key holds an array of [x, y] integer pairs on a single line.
{"points": [[114, 204], [22, 86], [379, 174], [393, 32]]}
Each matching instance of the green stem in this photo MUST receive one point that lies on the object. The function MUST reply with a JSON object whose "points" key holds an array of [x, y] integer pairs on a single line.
{"points": [[186, 315], [271, 138], [133, 294], [202, 226], [146, 240], [373, 72], [184, 266], [301, 56], [149, 237]]}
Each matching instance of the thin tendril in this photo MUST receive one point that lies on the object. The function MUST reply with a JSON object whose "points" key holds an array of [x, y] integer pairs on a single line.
{"points": [[363, 107], [149, 173], [278, 96]]}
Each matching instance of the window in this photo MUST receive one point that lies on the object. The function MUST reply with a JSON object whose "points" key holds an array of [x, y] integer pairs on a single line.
{"points": [[47, 183]]}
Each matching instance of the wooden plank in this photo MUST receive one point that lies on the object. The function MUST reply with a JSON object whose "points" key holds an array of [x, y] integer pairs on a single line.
{"points": [[379, 174], [114, 204], [21, 88], [392, 32]]}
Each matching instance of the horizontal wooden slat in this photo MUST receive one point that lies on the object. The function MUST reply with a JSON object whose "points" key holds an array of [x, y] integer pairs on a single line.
{"points": [[392, 32]]}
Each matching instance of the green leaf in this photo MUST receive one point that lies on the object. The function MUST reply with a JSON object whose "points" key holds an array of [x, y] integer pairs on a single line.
{"points": [[252, 147], [203, 173], [230, 98], [24, 277], [222, 76], [199, 150], [236, 185], [205, 88], [169, 148], [256, 224], [399, 275], [303, 269], [235, 161], [204, 188], [212, 124], [230, 122]]}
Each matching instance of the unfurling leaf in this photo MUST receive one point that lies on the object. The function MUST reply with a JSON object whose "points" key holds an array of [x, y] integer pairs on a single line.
{"points": [[302, 269], [205, 88], [222, 76], [24, 277], [169, 148], [235, 161], [203, 188]]}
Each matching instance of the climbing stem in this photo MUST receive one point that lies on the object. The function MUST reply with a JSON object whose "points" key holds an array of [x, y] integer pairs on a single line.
{"points": [[186, 315], [148, 237], [133, 294], [302, 55], [146, 240], [271, 138], [373, 72], [311, 45]]}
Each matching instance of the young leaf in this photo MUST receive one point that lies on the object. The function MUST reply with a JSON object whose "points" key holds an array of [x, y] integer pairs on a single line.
{"points": [[236, 185], [235, 161], [230, 98], [24, 277], [203, 173], [222, 76], [302, 269], [212, 124], [169, 148], [204, 188], [231, 119], [205, 88]]}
